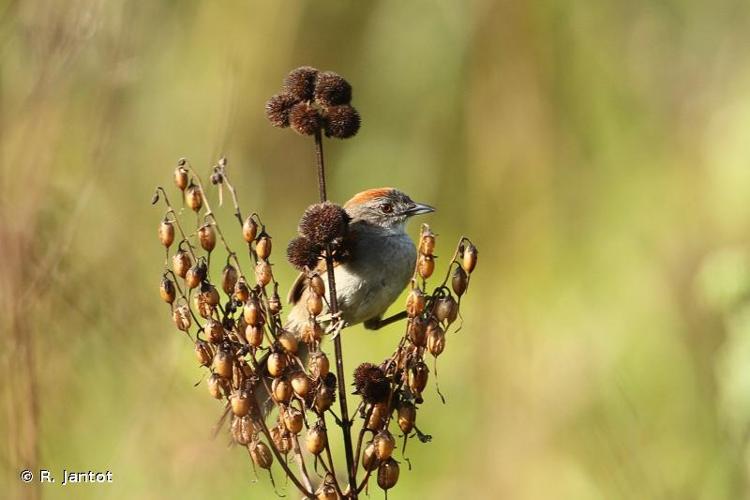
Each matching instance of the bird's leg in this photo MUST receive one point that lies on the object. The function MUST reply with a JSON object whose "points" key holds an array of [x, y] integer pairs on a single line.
{"points": [[336, 325], [378, 323]]}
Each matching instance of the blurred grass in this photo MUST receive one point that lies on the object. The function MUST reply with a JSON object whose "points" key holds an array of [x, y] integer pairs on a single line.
{"points": [[596, 152]]}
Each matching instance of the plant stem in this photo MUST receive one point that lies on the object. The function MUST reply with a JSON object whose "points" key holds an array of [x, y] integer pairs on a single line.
{"points": [[346, 424]]}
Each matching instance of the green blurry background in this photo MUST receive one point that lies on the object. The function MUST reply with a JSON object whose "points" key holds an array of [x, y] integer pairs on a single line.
{"points": [[597, 152]]}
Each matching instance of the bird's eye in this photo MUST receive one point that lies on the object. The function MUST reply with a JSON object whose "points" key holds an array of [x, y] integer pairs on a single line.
{"points": [[386, 208]]}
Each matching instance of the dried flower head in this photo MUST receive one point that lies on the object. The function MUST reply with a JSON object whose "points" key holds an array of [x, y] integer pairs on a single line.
{"points": [[323, 223], [302, 253], [371, 383], [305, 119], [278, 107], [300, 83], [331, 89], [341, 122]]}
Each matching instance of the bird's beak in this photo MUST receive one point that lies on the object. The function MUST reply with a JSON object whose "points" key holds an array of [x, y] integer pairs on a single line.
{"points": [[418, 208]]}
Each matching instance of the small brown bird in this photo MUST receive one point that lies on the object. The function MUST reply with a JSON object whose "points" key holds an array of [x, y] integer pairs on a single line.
{"points": [[382, 262]]}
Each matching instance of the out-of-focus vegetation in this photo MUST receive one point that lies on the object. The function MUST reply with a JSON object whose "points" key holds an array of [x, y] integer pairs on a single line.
{"points": [[596, 152]]}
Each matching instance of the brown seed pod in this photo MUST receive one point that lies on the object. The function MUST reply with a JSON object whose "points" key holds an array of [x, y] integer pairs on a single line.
{"points": [[415, 302], [166, 233], [388, 474], [181, 317], [217, 386], [369, 458], [427, 243], [317, 285], [300, 83], [326, 491], [194, 197], [300, 384], [311, 332], [181, 176], [181, 263], [435, 339], [277, 109], [210, 294], [252, 311], [240, 403], [207, 237], [263, 274], [446, 309], [274, 304], [228, 279], [417, 377], [261, 455], [214, 331], [167, 290], [293, 420], [331, 89], [470, 255], [282, 390], [319, 364], [241, 291], [324, 398], [276, 364], [459, 281], [288, 341], [417, 331], [203, 352], [314, 304], [316, 439], [195, 275], [378, 417], [407, 416], [342, 122], [384, 444], [305, 119], [236, 428], [263, 246], [254, 335], [223, 362], [426, 266], [249, 229]]}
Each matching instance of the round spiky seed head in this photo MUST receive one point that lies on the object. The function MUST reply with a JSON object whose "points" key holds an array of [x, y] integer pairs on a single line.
{"points": [[254, 335], [203, 352], [281, 389], [322, 223], [314, 304], [418, 377], [293, 420], [388, 474], [407, 416], [342, 122], [305, 119], [427, 243], [446, 309], [302, 253], [207, 237], [378, 417], [181, 318], [459, 281], [470, 258], [240, 403], [276, 364], [415, 302], [301, 384], [167, 290], [324, 398], [369, 458], [317, 285], [316, 439], [252, 312], [417, 330], [218, 387], [263, 274], [288, 341], [277, 109], [263, 246], [228, 279], [241, 291], [194, 197], [319, 364], [371, 383], [214, 331], [181, 176], [426, 266], [223, 362], [261, 455], [166, 233], [384, 444], [181, 263], [311, 332], [249, 229], [331, 89], [300, 83], [435, 339]]}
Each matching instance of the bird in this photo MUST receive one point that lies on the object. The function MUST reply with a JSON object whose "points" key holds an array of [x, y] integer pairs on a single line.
{"points": [[382, 260]]}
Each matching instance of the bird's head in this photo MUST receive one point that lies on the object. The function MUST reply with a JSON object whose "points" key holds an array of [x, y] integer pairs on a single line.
{"points": [[388, 208]]}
